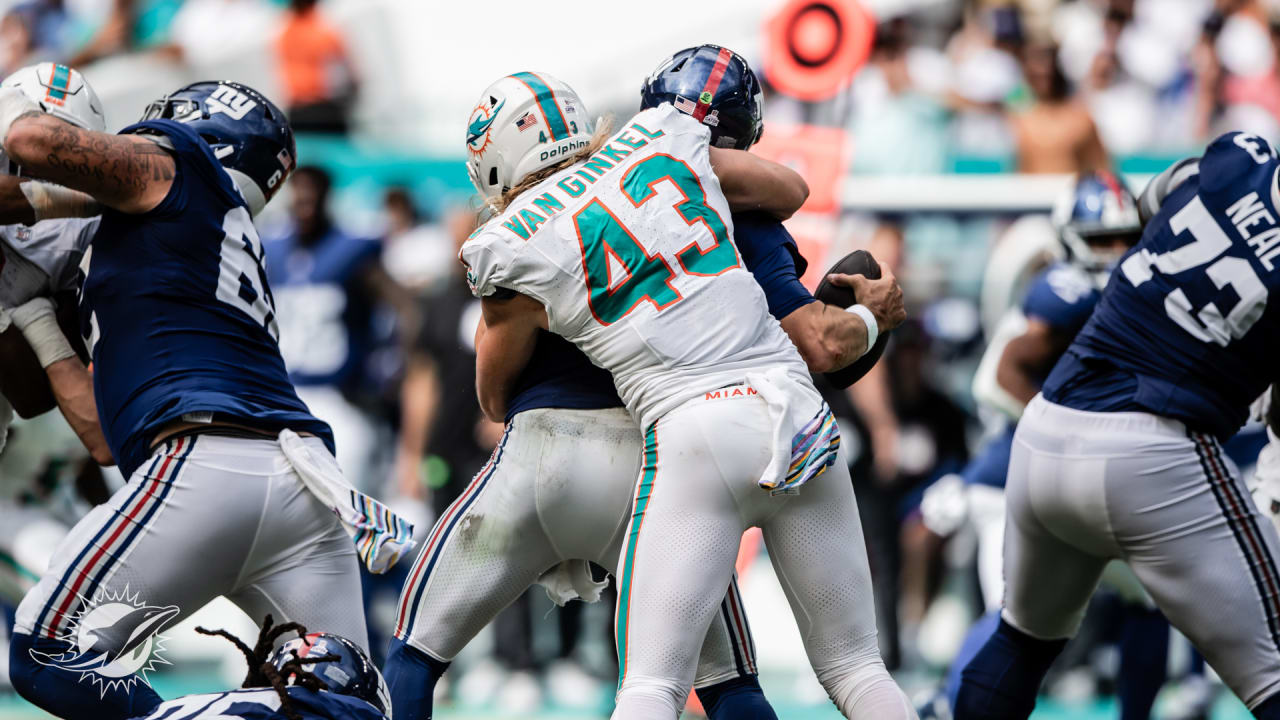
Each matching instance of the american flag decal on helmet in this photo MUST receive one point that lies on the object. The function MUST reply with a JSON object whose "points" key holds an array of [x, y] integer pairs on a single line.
{"points": [[286, 160], [526, 122]]}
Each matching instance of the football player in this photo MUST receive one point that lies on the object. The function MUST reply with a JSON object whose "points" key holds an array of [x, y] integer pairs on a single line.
{"points": [[560, 489], [233, 489], [315, 676], [1120, 457], [40, 249], [621, 243], [1096, 220]]}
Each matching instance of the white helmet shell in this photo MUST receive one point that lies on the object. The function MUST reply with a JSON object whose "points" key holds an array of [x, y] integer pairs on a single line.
{"points": [[61, 92], [523, 123]]}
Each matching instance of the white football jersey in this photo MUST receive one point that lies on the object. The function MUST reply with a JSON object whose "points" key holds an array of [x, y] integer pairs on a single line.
{"points": [[43, 258], [631, 253]]}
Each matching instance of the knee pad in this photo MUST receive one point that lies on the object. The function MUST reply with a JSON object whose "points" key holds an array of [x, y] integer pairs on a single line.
{"points": [[651, 697], [861, 687]]}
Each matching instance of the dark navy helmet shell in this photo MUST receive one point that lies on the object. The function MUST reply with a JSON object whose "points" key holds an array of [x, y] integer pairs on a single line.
{"points": [[249, 135], [717, 87], [350, 674]]}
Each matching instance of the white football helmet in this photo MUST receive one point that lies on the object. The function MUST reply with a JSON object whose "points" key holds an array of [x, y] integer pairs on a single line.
{"points": [[61, 92], [523, 123]]}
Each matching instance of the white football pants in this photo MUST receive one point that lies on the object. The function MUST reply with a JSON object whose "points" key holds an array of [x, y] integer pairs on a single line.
{"points": [[1087, 487], [558, 487], [698, 492], [206, 516]]}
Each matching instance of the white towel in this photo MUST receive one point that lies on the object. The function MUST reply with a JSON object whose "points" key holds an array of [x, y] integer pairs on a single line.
{"points": [[804, 444], [572, 580], [381, 536]]}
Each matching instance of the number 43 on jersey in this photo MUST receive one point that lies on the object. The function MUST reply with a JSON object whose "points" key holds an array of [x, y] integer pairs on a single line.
{"points": [[620, 272]]}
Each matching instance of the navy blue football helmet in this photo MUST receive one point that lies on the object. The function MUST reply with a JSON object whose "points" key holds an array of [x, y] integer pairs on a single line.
{"points": [[247, 132], [1095, 218], [717, 87], [351, 674]]}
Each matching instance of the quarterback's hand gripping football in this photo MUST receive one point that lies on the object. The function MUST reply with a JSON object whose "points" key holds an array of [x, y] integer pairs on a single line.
{"points": [[883, 297]]}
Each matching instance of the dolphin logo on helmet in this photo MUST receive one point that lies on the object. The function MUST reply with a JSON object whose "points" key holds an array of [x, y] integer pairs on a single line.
{"points": [[481, 120]]}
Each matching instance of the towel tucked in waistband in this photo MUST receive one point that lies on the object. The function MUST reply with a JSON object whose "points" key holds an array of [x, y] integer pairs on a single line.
{"points": [[381, 536]]}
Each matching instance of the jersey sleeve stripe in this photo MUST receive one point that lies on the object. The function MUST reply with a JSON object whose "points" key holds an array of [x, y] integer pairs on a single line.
{"points": [[546, 98]]}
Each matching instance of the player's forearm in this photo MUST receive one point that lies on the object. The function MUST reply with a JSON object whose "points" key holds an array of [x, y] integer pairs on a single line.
{"points": [[73, 389], [827, 337], [493, 384], [846, 335], [750, 183], [1014, 374], [14, 207], [129, 173]]}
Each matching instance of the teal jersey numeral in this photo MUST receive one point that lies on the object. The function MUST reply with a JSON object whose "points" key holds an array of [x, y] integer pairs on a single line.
{"points": [[646, 278], [639, 185]]}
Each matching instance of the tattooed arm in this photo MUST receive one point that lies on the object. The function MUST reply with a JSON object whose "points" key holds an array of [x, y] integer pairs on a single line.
{"points": [[127, 172]]}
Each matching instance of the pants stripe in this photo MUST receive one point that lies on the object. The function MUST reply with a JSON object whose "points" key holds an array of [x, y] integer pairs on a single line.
{"points": [[644, 489], [421, 573], [734, 644], [1243, 524], [136, 511], [748, 642]]}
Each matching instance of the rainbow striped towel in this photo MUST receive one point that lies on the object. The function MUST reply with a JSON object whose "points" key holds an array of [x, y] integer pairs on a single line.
{"points": [[798, 455], [813, 450], [381, 536]]}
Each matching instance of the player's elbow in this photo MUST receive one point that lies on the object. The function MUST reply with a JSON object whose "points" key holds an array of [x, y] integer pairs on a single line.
{"points": [[100, 453], [26, 142], [493, 401], [798, 189]]}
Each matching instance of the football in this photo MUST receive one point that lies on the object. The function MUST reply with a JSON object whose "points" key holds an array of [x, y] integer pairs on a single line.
{"points": [[858, 262]]}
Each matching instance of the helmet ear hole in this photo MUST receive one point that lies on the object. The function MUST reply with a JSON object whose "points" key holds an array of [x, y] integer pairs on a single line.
{"points": [[493, 175]]}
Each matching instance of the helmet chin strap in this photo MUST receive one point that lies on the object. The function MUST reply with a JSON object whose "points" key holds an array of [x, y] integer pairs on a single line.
{"points": [[249, 190]]}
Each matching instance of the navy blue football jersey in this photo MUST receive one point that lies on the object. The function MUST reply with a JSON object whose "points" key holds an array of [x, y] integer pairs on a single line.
{"points": [[558, 375], [178, 313], [264, 704], [326, 319], [1183, 328], [1062, 297]]}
